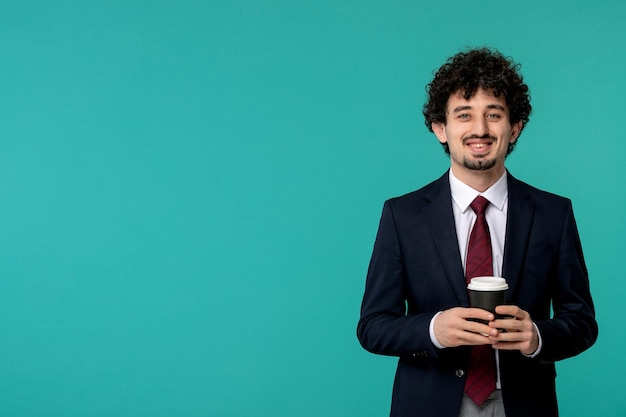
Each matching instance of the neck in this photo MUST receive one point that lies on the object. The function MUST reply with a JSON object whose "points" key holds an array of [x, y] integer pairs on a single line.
{"points": [[478, 180]]}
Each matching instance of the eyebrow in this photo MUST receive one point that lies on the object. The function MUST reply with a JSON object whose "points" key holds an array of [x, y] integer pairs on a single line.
{"points": [[490, 106]]}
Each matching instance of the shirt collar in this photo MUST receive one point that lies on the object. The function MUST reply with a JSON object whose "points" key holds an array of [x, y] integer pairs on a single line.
{"points": [[463, 194]]}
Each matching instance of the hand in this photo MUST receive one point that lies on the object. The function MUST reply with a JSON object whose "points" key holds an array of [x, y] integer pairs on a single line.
{"points": [[452, 327], [516, 333]]}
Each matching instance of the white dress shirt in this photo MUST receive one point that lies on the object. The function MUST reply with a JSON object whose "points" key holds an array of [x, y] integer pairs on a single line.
{"points": [[464, 218]]}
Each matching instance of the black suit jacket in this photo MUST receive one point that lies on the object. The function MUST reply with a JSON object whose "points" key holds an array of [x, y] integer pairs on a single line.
{"points": [[416, 271]]}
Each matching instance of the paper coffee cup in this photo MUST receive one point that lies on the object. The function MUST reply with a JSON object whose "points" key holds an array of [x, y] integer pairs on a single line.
{"points": [[487, 293]]}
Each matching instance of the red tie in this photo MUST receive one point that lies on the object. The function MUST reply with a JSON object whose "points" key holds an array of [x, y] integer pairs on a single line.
{"points": [[481, 371]]}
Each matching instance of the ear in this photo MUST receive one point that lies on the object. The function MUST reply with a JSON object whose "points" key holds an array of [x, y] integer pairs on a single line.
{"points": [[439, 129], [516, 130]]}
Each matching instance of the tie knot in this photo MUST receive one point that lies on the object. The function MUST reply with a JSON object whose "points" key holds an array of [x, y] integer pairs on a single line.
{"points": [[479, 205]]}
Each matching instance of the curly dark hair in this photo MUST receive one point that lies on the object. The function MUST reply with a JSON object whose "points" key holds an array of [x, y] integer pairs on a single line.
{"points": [[474, 69]]}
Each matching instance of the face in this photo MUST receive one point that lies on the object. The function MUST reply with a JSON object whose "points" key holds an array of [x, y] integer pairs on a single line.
{"points": [[478, 132]]}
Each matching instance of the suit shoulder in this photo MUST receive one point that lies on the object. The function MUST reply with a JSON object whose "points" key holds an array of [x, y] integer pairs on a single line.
{"points": [[415, 198], [539, 195]]}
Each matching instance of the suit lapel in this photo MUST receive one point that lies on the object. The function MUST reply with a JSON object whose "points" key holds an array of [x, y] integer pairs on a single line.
{"points": [[518, 225], [443, 232]]}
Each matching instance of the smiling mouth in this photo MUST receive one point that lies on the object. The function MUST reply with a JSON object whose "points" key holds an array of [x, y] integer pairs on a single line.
{"points": [[480, 148], [479, 145]]}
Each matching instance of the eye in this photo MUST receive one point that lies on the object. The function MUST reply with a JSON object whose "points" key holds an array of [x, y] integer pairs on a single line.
{"points": [[494, 116], [463, 116]]}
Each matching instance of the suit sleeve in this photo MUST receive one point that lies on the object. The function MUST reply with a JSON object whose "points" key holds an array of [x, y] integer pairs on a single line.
{"points": [[573, 327], [384, 327]]}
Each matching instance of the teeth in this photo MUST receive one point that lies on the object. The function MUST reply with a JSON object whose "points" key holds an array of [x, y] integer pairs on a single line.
{"points": [[479, 145]]}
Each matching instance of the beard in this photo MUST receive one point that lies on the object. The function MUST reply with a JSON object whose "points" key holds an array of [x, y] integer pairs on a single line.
{"points": [[479, 165]]}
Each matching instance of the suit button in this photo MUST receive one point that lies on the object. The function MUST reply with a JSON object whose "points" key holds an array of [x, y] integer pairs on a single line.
{"points": [[460, 373]]}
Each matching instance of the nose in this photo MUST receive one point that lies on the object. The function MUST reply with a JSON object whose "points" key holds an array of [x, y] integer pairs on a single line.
{"points": [[479, 127]]}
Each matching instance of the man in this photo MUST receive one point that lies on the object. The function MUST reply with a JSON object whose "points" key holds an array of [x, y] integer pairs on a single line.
{"points": [[416, 304]]}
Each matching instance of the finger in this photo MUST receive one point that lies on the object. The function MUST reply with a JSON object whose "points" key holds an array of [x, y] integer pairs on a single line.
{"points": [[508, 337], [476, 339], [480, 328], [509, 310], [508, 345], [477, 313], [508, 325]]}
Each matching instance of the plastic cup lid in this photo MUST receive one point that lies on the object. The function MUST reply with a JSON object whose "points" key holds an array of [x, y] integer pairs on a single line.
{"points": [[488, 284]]}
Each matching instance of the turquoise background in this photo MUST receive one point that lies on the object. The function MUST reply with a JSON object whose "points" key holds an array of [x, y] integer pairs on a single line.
{"points": [[189, 192]]}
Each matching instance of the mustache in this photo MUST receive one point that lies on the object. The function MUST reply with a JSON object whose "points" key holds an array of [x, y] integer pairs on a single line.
{"points": [[485, 136]]}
